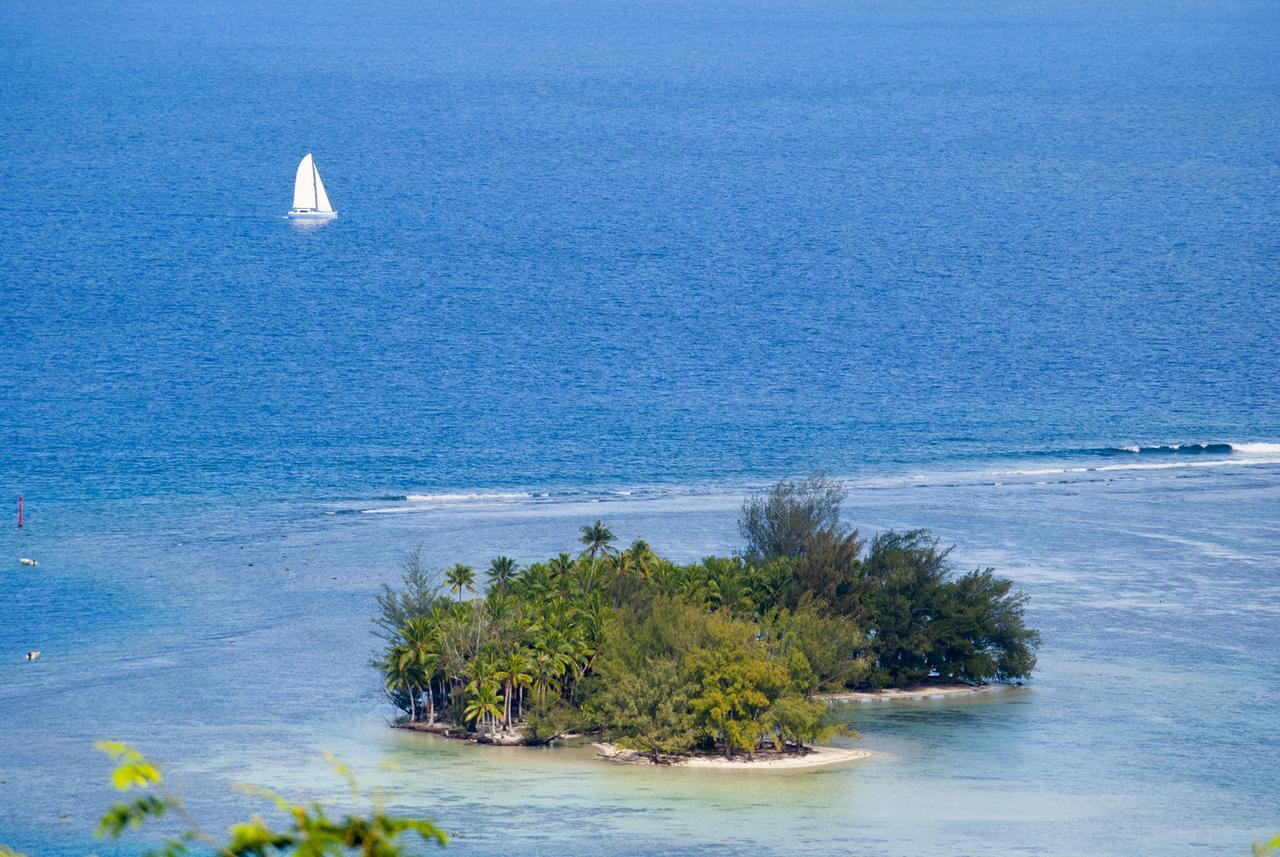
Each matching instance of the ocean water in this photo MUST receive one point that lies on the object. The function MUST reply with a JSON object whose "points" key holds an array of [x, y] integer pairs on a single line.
{"points": [[1008, 268]]}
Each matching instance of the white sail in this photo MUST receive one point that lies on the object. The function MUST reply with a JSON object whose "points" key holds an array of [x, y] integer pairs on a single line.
{"points": [[322, 198], [304, 186]]}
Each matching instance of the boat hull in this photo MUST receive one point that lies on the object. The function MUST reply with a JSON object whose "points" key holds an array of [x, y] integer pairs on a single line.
{"points": [[311, 214]]}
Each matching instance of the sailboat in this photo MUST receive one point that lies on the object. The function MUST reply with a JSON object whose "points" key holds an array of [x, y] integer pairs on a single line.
{"points": [[310, 202]]}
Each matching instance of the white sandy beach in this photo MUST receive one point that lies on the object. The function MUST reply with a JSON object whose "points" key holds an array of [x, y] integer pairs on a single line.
{"points": [[891, 694], [815, 758]]}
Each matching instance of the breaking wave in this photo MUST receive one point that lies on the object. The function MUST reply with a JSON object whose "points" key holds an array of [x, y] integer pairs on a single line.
{"points": [[1046, 466]]}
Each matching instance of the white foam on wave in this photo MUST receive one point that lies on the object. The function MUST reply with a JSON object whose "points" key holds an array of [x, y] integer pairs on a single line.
{"points": [[1240, 455], [468, 497], [1041, 471], [1251, 456], [1169, 465], [1256, 448]]}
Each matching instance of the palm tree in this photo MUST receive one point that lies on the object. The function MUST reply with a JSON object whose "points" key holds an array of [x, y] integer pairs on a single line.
{"points": [[420, 656], [535, 582], [559, 568], [513, 672], [669, 579], [641, 557], [502, 570], [593, 621], [624, 568], [460, 577], [398, 675], [596, 539], [485, 702], [545, 672]]}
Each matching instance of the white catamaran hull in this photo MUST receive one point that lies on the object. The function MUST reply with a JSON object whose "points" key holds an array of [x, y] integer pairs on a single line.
{"points": [[312, 215]]}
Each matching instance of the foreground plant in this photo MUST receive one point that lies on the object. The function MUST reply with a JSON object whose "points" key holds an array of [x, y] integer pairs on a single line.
{"points": [[310, 832]]}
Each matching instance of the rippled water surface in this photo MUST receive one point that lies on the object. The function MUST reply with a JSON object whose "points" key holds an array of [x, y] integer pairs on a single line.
{"points": [[1005, 267]]}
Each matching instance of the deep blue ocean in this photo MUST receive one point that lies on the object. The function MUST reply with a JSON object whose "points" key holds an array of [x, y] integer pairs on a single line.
{"points": [[1003, 266]]}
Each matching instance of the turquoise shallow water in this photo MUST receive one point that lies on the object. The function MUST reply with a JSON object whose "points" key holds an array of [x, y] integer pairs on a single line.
{"points": [[240, 656], [629, 260]]}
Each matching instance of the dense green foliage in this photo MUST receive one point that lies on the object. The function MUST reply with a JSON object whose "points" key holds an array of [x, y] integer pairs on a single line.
{"points": [[723, 655]]}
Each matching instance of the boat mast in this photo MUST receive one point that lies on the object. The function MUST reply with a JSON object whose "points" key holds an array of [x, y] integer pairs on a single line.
{"points": [[315, 192]]}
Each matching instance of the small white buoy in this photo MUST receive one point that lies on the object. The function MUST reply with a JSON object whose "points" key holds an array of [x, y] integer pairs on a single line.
{"points": [[26, 560], [31, 656]]}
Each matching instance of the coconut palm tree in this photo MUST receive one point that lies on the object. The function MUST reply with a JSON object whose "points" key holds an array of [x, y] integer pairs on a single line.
{"points": [[502, 570], [460, 577], [597, 540], [641, 558], [669, 579], [499, 609], [398, 676], [559, 569], [421, 656], [725, 585], [545, 671], [485, 703], [513, 672], [534, 583]]}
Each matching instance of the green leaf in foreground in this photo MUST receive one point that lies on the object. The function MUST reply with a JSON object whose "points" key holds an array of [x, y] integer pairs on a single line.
{"points": [[309, 831]]}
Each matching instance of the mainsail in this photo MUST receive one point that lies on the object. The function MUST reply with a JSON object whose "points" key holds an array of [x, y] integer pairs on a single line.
{"points": [[304, 185]]}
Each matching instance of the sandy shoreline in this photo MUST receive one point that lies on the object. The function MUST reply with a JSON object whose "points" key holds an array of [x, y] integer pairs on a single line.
{"points": [[895, 693], [815, 758], [446, 730]]}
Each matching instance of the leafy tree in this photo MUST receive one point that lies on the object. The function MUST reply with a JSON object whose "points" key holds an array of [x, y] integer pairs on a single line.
{"points": [[793, 721], [927, 624], [645, 707], [834, 646], [736, 684], [904, 590], [547, 721], [979, 633], [782, 521], [829, 569]]}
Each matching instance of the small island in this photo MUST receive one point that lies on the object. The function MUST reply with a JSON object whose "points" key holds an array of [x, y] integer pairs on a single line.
{"points": [[731, 658]]}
